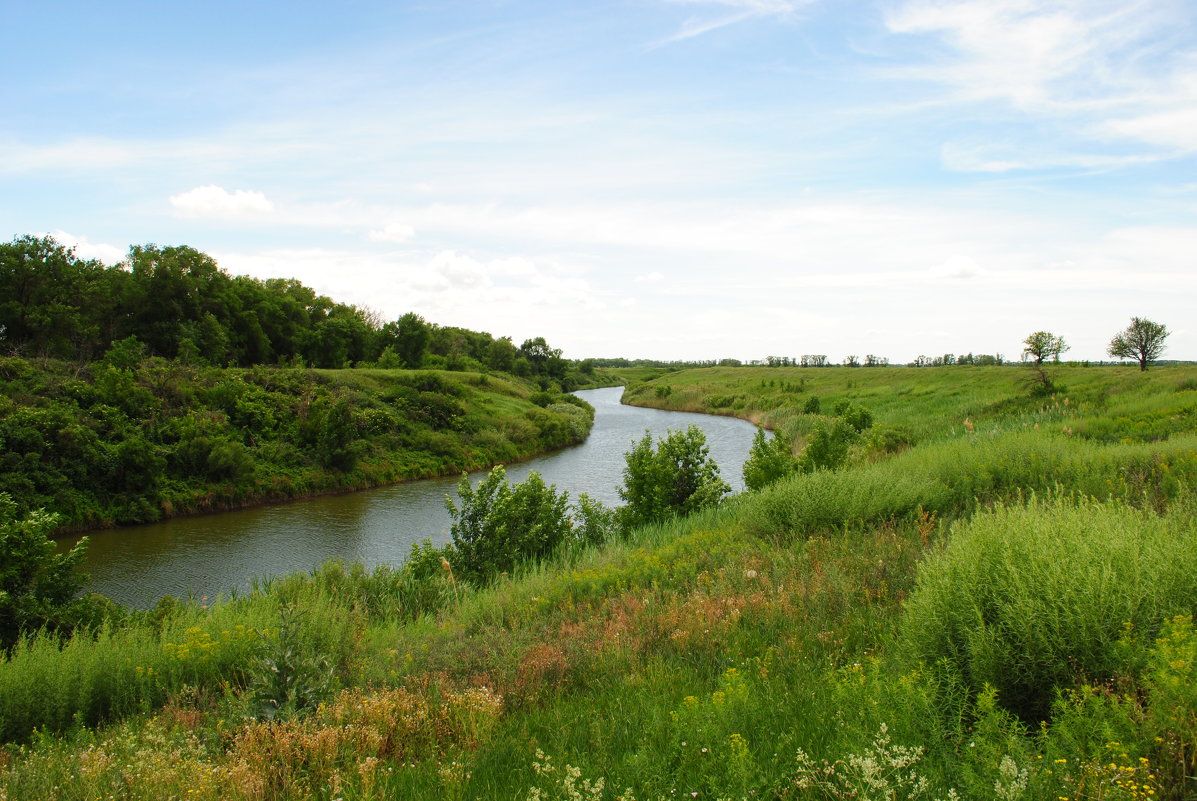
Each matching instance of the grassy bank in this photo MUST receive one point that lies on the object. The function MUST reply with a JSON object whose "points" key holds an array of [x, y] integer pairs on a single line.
{"points": [[1002, 609], [102, 445]]}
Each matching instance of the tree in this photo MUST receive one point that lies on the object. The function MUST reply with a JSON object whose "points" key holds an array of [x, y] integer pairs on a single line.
{"points": [[1042, 346], [1142, 341], [411, 334], [37, 585], [674, 479], [498, 526]]}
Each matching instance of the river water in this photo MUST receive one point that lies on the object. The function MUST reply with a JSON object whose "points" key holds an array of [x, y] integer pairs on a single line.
{"points": [[222, 553]]}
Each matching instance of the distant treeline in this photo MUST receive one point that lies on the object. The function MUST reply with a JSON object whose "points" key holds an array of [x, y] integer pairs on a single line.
{"points": [[179, 304]]}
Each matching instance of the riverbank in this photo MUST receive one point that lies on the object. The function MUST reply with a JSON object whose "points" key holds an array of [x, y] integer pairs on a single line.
{"points": [[223, 554], [104, 446]]}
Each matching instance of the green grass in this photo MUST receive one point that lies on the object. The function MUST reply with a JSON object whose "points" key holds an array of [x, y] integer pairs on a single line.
{"points": [[954, 613]]}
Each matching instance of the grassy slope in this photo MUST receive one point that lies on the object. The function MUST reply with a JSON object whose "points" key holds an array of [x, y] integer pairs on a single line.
{"points": [[695, 660], [103, 446]]}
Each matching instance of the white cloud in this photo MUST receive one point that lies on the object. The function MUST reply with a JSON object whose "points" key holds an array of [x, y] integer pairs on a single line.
{"points": [[1100, 70], [218, 203], [393, 232], [957, 267], [86, 249], [1176, 128], [650, 278]]}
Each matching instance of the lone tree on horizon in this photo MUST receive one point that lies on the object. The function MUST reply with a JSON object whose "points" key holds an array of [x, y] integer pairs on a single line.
{"points": [[1142, 341], [1043, 345]]}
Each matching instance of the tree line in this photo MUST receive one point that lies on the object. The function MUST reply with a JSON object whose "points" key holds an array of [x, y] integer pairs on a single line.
{"points": [[179, 304]]}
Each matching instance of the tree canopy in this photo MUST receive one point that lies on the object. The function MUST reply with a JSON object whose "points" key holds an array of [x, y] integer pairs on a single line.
{"points": [[1142, 340], [1043, 346]]}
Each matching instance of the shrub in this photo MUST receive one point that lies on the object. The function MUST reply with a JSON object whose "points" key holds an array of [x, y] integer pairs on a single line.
{"points": [[1031, 599], [37, 585], [676, 478], [498, 525], [769, 460], [828, 444]]}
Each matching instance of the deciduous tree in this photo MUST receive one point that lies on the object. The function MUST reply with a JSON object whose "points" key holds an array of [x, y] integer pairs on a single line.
{"points": [[1142, 340], [675, 478], [1043, 346]]}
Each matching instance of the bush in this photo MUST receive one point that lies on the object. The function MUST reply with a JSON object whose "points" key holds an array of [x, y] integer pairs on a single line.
{"points": [[828, 444], [1033, 599], [672, 480], [769, 459], [37, 585], [498, 526]]}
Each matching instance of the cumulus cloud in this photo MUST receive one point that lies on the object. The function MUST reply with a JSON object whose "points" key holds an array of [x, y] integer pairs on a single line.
{"points": [[218, 203], [86, 249]]}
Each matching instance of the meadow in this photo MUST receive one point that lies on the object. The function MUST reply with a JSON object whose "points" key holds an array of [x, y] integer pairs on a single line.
{"points": [[991, 597]]}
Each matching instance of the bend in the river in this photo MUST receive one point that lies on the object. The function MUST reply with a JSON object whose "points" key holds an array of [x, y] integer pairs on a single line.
{"points": [[222, 553]]}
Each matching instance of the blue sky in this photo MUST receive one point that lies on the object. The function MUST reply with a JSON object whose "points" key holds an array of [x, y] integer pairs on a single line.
{"points": [[660, 178]]}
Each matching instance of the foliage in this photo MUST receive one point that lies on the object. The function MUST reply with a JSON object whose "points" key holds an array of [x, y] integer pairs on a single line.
{"points": [[1142, 340], [1027, 599], [103, 444], [1043, 346], [675, 478], [37, 585], [769, 460], [498, 526], [286, 679]]}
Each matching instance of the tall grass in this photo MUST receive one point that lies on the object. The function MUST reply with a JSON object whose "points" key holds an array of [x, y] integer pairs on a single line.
{"points": [[1030, 599]]}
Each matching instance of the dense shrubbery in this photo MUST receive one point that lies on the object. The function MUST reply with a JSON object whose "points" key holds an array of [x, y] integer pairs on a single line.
{"points": [[110, 444], [37, 585], [1033, 599], [674, 479]]}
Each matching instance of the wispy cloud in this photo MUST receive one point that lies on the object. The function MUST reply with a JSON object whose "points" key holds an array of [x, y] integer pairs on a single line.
{"points": [[1104, 70], [722, 13]]}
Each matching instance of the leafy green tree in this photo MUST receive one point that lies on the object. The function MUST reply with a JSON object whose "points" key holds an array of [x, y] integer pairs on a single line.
{"points": [[498, 526], [37, 585], [1142, 341], [674, 479], [411, 337], [769, 460], [1043, 346]]}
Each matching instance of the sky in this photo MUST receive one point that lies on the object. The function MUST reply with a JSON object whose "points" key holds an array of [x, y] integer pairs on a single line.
{"points": [[669, 179]]}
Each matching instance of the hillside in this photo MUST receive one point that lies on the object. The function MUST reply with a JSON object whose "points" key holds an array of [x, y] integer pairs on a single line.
{"points": [[128, 441]]}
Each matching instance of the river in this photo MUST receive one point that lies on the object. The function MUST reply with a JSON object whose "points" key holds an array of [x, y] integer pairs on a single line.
{"points": [[222, 553]]}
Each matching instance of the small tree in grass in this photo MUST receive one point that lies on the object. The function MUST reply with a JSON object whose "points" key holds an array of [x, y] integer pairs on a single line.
{"points": [[1142, 341], [769, 460], [1043, 346], [673, 479], [499, 525]]}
